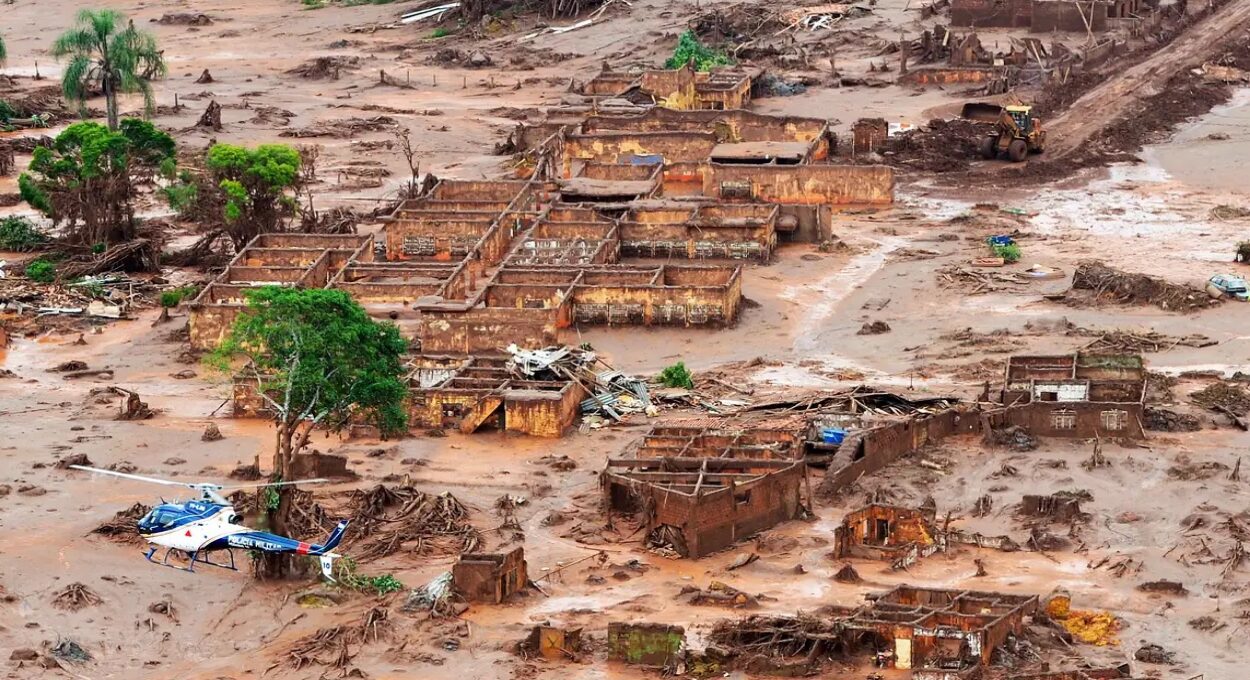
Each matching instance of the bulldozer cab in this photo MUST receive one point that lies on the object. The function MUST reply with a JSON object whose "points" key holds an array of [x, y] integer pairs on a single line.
{"points": [[1022, 116]]}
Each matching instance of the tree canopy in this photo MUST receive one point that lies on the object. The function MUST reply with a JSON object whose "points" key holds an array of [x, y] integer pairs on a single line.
{"points": [[690, 50], [4, 53], [87, 178], [106, 52], [320, 360], [255, 185]]}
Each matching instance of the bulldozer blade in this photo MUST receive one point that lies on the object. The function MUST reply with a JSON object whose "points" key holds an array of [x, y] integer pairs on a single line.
{"points": [[988, 113]]}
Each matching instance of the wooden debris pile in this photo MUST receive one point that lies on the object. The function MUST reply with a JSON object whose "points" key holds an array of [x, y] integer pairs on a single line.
{"points": [[336, 646], [123, 528], [75, 596], [1108, 283], [387, 520], [770, 642], [1128, 342], [978, 281]]}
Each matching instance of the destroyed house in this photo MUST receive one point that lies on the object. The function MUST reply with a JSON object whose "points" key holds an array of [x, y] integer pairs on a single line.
{"points": [[680, 88], [294, 260], [479, 265], [1076, 395], [705, 442], [697, 506], [889, 533], [662, 136], [528, 306], [726, 231], [471, 393], [952, 630]]}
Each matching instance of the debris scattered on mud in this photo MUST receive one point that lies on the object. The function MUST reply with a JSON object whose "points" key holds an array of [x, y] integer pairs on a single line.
{"points": [[1126, 342], [68, 650], [212, 433], [336, 646], [184, 19], [874, 328], [75, 596], [1155, 654], [325, 68], [1013, 437], [342, 127]]}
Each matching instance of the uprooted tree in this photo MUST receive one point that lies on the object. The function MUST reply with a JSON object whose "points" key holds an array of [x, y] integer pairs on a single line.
{"points": [[108, 54], [88, 179], [318, 361]]}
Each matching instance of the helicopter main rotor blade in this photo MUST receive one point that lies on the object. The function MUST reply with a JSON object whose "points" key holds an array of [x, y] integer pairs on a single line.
{"points": [[258, 485], [138, 478]]}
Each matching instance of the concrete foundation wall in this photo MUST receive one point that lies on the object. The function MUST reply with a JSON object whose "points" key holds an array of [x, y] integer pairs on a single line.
{"points": [[625, 147], [803, 184]]}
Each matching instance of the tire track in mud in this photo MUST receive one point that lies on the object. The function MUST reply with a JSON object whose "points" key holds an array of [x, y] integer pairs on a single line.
{"points": [[1114, 98]]}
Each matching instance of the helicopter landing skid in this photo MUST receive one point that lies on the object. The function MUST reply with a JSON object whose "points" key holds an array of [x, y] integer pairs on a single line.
{"points": [[206, 558]]}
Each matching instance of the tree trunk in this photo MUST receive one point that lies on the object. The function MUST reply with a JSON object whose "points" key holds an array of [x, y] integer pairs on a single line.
{"points": [[277, 566], [110, 101]]}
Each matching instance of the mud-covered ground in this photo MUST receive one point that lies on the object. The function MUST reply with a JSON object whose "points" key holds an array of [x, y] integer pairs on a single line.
{"points": [[807, 308]]}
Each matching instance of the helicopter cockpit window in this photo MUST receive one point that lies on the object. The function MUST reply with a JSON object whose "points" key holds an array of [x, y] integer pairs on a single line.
{"points": [[158, 518]]}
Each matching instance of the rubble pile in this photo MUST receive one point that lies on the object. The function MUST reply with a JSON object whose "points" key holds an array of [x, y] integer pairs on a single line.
{"points": [[940, 146], [1108, 283], [613, 393], [1014, 437], [1166, 420], [1223, 396]]}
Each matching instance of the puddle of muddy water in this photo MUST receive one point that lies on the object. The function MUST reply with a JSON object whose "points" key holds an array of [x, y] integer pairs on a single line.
{"points": [[1192, 156]]}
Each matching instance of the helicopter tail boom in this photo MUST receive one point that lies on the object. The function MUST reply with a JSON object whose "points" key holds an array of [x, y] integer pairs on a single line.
{"points": [[332, 541]]}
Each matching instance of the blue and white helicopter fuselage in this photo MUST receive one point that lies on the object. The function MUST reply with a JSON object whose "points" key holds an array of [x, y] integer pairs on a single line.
{"points": [[202, 527]]}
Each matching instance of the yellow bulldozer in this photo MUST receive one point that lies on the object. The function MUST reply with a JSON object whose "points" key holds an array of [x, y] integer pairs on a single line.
{"points": [[1016, 132]]}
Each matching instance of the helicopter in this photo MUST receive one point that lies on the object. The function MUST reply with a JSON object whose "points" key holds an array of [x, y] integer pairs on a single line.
{"points": [[210, 524]]}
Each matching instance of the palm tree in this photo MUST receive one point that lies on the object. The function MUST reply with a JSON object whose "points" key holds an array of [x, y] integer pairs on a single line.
{"points": [[108, 52]]}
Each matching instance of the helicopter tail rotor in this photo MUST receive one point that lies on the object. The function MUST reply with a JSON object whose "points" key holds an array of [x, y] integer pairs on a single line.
{"points": [[322, 551]]}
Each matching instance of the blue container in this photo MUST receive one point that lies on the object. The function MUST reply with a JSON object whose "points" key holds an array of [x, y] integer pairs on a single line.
{"points": [[833, 435]]}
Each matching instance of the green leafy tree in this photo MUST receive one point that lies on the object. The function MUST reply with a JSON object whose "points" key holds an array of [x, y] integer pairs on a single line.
{"points": [[106, 52], [677, 375], [690, 51], [87, 178], [257, 187], [318, 361], [4, 52]]}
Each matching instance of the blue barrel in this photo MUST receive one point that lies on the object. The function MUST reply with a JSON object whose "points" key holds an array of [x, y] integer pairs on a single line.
{"points": [[833, 435]]}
